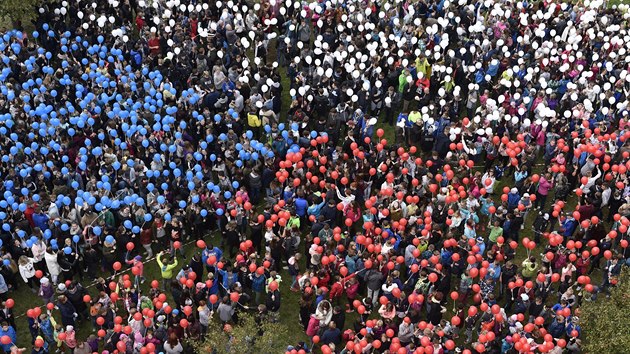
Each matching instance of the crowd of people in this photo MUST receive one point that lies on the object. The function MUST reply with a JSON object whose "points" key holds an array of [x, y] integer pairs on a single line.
{"points": [[133, 130]]}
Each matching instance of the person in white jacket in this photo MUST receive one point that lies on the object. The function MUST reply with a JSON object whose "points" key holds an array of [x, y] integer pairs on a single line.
{"points": [[51, 263], [39, 250], [27, 271]]}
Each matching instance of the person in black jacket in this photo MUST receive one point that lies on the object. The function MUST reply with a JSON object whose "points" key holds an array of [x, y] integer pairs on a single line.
{"points": [[75, 295], [68, 312], [67, 264], [273, 303], [434, 314]]}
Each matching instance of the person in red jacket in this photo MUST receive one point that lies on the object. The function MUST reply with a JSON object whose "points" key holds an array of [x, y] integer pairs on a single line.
{"points": [[154, 45], [336, 291], [30, 210], [352, 288]]}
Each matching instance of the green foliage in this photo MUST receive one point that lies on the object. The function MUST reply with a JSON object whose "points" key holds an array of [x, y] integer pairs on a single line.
{"points": [[19, 10], [247, 337], [605, 322]]}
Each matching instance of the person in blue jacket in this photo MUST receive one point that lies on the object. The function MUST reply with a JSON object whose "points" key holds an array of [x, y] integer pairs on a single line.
{"points": [[40, 219], [557, 327], [513, 198], [301, 207], [228, 278], [9, 331], [210, 250], [574, 324]]}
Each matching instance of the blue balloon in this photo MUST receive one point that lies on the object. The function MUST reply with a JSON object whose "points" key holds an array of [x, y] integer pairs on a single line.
{"points": [[227, 194], [67, 250], [219, 211], [235, 184], [147, 217], [76, 238], [127, 224], [109, 239], [6, 262]]}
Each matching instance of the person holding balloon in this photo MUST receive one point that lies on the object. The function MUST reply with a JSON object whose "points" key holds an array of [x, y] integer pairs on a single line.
{"points": [[8, 336]]}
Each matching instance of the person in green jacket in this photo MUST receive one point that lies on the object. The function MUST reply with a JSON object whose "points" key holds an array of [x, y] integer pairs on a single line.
{"points": [[166, 268], [402, 80], [530, 268]]}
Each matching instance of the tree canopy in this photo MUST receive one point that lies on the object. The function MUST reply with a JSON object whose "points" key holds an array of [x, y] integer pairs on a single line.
{"points": [[607, 321], [248, 336], [19, 10]]}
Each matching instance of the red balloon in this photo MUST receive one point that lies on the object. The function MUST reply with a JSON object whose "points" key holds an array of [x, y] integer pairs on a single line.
{"points": [[183, 323], [234, 296]]}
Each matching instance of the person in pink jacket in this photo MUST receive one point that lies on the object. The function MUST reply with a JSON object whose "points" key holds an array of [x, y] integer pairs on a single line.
{"points": [[137, 269], [544, 185], [313, 326], [71, 340]]}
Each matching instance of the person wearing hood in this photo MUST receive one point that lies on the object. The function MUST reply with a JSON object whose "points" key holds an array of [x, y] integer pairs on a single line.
{"points": [[46, 290], [513, 198], [71, 340]]}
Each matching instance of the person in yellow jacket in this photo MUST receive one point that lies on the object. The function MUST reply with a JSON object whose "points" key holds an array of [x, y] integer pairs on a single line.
{"points": [[166, 268]]}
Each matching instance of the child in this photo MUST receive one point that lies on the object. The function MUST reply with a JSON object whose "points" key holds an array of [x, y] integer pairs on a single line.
{"points": [[46, 290], [70, 340], [47, 328], [56, 333], [136, 263]]}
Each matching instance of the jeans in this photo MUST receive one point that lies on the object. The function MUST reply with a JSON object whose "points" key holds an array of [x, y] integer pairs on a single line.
{"points": [[293, 281], [373, 294]]}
